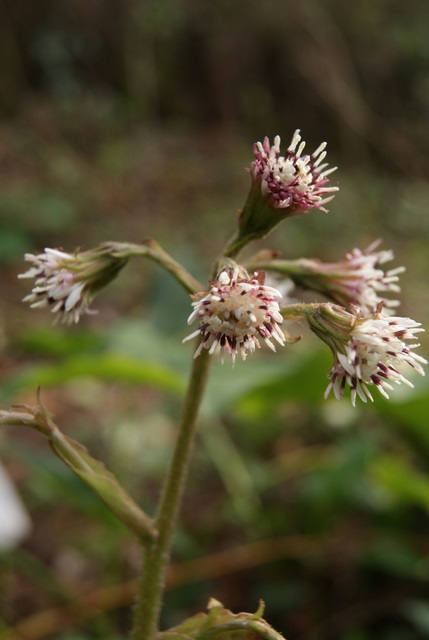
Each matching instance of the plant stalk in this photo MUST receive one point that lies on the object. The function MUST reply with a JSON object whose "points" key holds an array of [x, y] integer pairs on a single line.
{"points": [[153, 250], [157, 552]]}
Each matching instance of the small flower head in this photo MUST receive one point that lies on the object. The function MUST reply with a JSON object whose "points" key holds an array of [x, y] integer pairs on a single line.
{"points": [[367, 351], [358, 280], [67, 283], [293, 181], [283, 186], [235, 313]]}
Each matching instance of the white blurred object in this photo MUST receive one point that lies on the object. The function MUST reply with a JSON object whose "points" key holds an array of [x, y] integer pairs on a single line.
{"points": [[15, 523]]}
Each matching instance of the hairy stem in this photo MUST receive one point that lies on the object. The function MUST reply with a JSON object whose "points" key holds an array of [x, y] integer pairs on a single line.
{"points": [[296, 269], [157, 553], [301, 309], [152, 250], [235, 244]]}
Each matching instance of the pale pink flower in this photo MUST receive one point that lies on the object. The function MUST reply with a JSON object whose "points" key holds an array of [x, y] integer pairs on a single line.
{"points": [[235, 313], [358, 279], [375, 353], [67, 283], [292, 181]]}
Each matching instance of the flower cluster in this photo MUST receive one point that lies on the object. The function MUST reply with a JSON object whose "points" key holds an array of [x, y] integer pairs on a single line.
{"points": [[235, 313], [239, 310], [67, 283], [367, 351], [294, 181]]}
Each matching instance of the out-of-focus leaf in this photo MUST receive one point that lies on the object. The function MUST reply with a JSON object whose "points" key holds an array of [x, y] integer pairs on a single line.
{"points": [[52, 483], [232, 469], [299, 462], [289, 376], [38, 209], [13, 243], [403, 483], [37, 572], [56, 342], [53, 211], [166, 295], [417, 611], [144, 340], [393, 556], [343, 482], [111, 367], [409, 408]]}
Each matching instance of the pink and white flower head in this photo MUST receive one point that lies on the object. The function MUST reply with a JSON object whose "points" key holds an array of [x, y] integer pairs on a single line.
{"points": [[282, 186], [294, 181], [67, 283], [236, 313], [367, 351], [357, 279]]}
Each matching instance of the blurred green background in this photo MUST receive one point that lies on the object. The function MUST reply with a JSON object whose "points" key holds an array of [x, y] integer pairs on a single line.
{"points": [[121, 120]]}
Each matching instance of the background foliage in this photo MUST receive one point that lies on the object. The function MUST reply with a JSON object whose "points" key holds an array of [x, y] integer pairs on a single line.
{"points": [[123, 120]]}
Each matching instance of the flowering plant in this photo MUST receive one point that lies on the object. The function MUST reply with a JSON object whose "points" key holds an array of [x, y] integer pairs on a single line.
{"points": [[238, 310]]}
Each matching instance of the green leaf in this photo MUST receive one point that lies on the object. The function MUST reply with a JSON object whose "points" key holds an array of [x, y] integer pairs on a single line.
{"points": [[60, 343], [112, 367], [297, 376], [409, 408], [393, 556], [402, 482], [232, 469]]}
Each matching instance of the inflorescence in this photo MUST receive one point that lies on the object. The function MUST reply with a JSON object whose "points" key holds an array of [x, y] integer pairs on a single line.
{"points": [[375, 353], [235, 313], [294, 180], [238, 311], [67, 283]]}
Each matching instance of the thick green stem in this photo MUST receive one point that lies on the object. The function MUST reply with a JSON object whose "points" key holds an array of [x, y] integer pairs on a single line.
{"points": [[157, 553]]}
